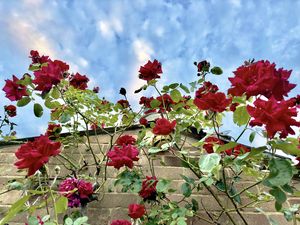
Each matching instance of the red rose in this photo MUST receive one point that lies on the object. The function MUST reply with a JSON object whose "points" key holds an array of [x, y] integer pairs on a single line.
{"points": [[150, 70], [120, 222], [49, 75], [126, 140], [33, 155], [148, 191], [275, 115], [233, 106], [85, 189], [216, 102], [210, 142], [36, 58], [123, 156], [143, 121], [79, 81], [261, 78], [165, 102], [203, 65], [123, 103], [13, 90], [237, 150], [53, 130], [163, 127], [96, 90], [11, 110], [136, 211], [146, 101]]}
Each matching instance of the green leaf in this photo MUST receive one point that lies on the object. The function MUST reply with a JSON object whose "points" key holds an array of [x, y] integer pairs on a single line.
{"points": [[185, 88], [186, 189], [256, 151], [32, 220], [252, 136], [155, 103], [14, 209], [175, 95], [81, 220], [51, 104], [279, 195], [208, 162], [38, 110], [68, 221], [195, 204], [241, 116], [216, 70], [23, 101], [227, 146], [174, 85], [55, 93], [61, 204], [163, 185], [232, 192], [154, 150], [289, 146], [281, 172]]}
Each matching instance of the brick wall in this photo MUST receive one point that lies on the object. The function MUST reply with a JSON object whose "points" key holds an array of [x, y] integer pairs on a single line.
{"points": [[114, 204]]}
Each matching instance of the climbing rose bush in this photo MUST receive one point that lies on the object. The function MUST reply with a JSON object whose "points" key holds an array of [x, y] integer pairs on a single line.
{"points": [[216, 162]]}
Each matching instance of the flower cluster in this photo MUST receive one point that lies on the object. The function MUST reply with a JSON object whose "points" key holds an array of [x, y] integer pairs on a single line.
{"points": [[124, 154], [77, 191], [261, 78], [33, 155]]}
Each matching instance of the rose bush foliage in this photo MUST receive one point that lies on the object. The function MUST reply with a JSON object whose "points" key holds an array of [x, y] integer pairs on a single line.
{"points": [[258, 99]]}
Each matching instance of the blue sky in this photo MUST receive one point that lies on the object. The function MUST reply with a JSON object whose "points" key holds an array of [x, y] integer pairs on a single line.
{"points": [[109, 40]]}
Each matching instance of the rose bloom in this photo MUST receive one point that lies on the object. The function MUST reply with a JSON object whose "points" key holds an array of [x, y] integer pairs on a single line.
{"points": [[260, 78], [143, 121], [123, 103], [150, 70], [33, 155], [123, 156], [165, 102], [36, 58], [216, 102], [237, 150], [148, 191], [146, 101], [14, 91], [50, 75], [120, 222], [125, 140], [84, 188], [210, 142], [53, 130], [277, 116], [79, 81], [11, 110], [163, 126], [136, 211]]}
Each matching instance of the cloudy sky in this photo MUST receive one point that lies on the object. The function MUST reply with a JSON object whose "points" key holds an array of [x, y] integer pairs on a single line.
{"points": [[109, 40]]}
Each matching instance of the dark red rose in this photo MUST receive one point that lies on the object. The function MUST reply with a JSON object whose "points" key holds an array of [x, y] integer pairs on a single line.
{"points": [[237, 150], [148, 191], [85, 189], [123, 103], [210, 142], [33, 155], [150, 70], [203, 66], [123, 156], [49, 75], [11, 110], [120, 222], [146, 102], [36, 58], [261, 78], [126, 140], [143, 121], [13, 90], [163, 126], [277, 116], [136, 211], [79, 81], [96, 89], [53, 130], [216, 102], [165, 102], [233, 106]]}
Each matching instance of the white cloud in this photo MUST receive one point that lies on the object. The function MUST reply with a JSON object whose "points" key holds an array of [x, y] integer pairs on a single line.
{"points": [[109, 28]]}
